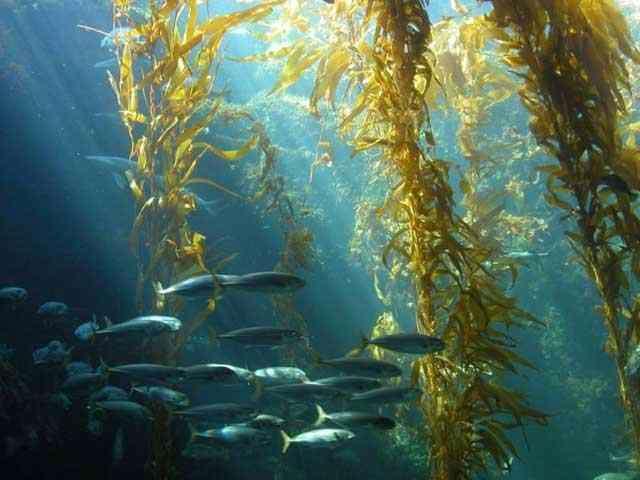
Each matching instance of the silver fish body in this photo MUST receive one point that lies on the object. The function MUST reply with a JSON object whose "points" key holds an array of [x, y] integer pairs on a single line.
{"points": [[306, 392], [217, 373], [152, 393], [351, 383], [263, 336], [149, 325], [319, 438], [351, 419], [203, 286], [13, 296], [415, 343], [265, 282], [150, 371], [220, 412], [365, 367], [272, 376], [385, 395], [234, 435], [83, 384], [124, 410]]}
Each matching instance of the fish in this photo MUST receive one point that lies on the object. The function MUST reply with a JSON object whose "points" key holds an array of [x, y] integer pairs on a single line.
{"points": [[265, 422], [525, 254], [266, 282], [149, 325], [217, 373], [354, 419], [220, 412], [365, 367], [171, 398], [414, 343], [76, 368], [123, 410], [53, 309], [107, 393], [351, 383], [387, 395], [233, 435], [86, 331], [319, 438], [307, 392], [262, 336], [54, 353], [149, 371], [83, 384], [281, 375], [13, 296], [204, 286]]}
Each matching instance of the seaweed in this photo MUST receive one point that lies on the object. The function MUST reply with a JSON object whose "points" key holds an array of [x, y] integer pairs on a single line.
{"points": [[571, 58], [166, 109], [379, 59]]}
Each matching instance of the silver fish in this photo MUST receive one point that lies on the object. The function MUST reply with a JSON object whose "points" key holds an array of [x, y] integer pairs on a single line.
{"points": [[109, 393], [387, 395], [365, 367], [83, 384], [149, 371], [354, 419], [406, 343], [54, 353], [217, 373], [124, 410], [76, 368], [220, 412], [265, 422], [320, 438], [149, 325], [271, 376], [53, 309], [203, 286], [263, 336], [306, 392], [13, 296], [267, 282], [351, 383], [171, 398], [233, 435]]}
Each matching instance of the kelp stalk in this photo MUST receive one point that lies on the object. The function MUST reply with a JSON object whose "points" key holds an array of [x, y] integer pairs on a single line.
{"points": [[571, 57]]}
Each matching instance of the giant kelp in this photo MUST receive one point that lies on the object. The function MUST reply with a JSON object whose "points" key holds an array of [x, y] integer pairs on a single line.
{"points": [[571, 57], [165, 109], [379, 59]]}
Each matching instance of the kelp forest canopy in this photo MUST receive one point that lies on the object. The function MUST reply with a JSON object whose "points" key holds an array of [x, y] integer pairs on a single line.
{"points": [[431, 226]]}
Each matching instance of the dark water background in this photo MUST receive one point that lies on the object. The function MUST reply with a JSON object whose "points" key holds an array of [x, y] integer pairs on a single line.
{"points": [[65, 227]]}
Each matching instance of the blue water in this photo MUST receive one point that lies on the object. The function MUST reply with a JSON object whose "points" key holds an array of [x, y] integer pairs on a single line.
{"points": [[65, 226]]}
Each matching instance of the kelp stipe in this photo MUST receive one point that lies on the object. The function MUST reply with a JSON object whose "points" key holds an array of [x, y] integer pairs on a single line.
{"points": [[571, 58], [381, 52]]}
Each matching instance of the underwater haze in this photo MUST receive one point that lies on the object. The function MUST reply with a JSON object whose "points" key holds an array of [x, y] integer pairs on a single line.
{"points": [[320, 239]]}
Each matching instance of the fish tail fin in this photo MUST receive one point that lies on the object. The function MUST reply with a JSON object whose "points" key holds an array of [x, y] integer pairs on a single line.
{"points": [[322, 416], [364, 343], [258, 384], [193, 433], [160, 295], [286, 441]]}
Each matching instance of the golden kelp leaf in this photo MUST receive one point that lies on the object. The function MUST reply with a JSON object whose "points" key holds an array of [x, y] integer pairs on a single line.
{"points": [[135, 117], [265, 56], [218, 25], [297, 64], [232, 155], [211, 183]]}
